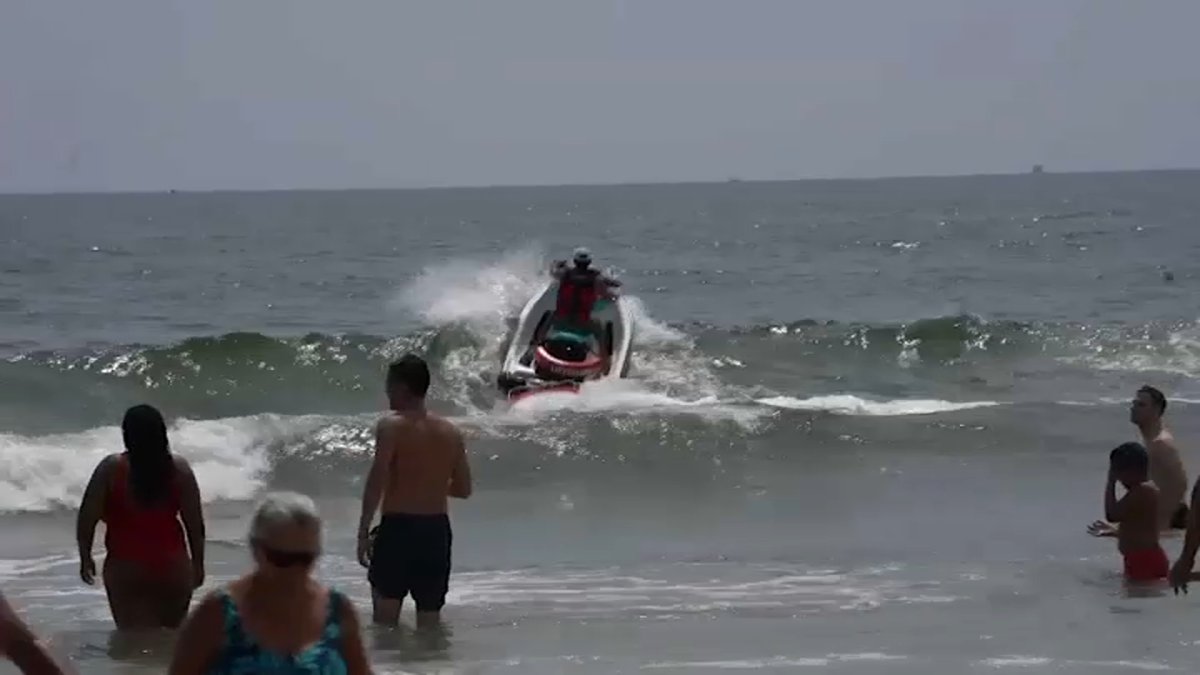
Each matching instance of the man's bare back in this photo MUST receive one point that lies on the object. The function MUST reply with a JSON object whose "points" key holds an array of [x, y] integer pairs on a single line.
{"points": [[1146, 411], [425, 462], [1168, 474], [420, 461]]}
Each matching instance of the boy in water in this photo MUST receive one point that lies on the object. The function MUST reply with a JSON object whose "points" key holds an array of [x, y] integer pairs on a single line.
{"points": [[1136, 513]]}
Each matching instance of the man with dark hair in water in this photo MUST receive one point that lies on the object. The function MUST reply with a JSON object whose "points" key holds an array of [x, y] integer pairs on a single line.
{"points": [[1166, 467], [420, 460]]}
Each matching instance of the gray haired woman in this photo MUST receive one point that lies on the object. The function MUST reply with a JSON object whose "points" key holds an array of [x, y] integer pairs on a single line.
{"points": [[278, 618]]}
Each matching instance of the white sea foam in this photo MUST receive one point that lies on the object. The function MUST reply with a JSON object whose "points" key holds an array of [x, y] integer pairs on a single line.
{"points": [[1179, 356], [1043, 662], [773, 662], [629, 397], [848, 404], [39, 473]]}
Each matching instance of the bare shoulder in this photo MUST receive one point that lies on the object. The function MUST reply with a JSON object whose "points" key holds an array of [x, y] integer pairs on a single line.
{"points": [[181, 463], [107, 465], [210, 610], [389, 422], [1146, 492], [395, 422], [447, 431], [442, 424], [1163, 443], [422, 428]]}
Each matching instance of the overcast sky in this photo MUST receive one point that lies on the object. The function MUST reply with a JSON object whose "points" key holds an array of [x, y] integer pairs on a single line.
{"points": [[205, 94]]}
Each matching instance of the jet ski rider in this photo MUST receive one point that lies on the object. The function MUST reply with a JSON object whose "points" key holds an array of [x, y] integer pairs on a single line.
{"points": [[579, 287]]}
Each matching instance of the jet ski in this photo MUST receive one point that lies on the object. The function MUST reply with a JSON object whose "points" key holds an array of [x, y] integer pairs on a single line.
{"points": [[543, 357]]}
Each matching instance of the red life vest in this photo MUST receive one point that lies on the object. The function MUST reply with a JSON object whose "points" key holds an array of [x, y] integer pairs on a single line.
{"points": [[576, 295]]}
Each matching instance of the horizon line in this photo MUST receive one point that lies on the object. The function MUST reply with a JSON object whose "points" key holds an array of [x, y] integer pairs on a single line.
{"points": [[732, 180]]}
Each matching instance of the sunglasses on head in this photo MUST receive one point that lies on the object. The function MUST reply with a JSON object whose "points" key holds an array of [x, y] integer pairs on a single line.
{"points": [[279, 558]]}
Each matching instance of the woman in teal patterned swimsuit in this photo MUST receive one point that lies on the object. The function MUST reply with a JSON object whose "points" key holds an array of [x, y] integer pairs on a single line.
{"points": [[277, 620]]}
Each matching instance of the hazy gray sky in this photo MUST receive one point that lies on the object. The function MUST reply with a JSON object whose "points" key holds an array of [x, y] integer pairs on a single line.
{"points": [[157, 94]]}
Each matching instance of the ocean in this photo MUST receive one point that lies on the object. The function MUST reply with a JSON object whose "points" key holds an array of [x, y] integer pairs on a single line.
{"points": [[866, 426]]}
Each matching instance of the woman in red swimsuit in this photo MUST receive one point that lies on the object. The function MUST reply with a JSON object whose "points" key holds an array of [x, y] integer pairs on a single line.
{"points": [[141, 495]]}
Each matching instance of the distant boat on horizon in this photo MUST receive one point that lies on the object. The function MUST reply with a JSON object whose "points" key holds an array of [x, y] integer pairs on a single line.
{"points": [[1037, 168]]}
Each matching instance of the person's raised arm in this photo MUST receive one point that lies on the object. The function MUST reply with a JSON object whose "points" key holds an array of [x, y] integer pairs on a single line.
{"points": [[199, 638], [385, 448], [192, 514], [1113, 511], [461, 485], [91, 507], [19, 645], [353, 650]]}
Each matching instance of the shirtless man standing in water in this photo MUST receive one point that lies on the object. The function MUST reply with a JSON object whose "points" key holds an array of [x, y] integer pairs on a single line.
{"points": [[420, 460], [1166, 467]]}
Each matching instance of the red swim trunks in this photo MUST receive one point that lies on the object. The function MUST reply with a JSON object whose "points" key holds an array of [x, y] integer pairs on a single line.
{"points": [[1148, 564]]}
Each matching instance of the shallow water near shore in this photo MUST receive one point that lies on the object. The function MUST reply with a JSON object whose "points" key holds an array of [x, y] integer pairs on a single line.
{"points": [[866, 429]]}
